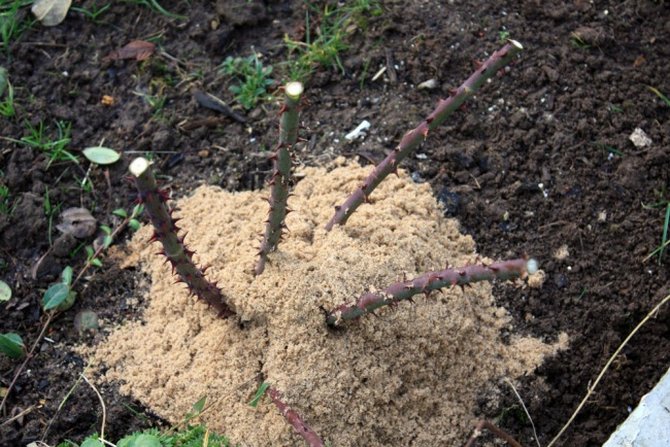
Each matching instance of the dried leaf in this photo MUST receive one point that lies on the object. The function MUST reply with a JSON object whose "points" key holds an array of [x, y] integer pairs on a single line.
{"points": [[137, 49], [78, 222], [51, 12]]}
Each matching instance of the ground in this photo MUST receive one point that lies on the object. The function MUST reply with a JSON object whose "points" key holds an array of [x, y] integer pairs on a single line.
{"points": [[539, 162]]}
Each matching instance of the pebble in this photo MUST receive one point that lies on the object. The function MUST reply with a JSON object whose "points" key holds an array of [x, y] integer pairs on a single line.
{"points": [[430, 84], [639, 138]]}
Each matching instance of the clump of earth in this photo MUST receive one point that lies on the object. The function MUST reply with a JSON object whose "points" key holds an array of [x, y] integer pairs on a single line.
{"points": [[409, 375]]}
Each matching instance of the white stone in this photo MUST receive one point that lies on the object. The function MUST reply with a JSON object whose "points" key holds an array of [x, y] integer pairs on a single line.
{"points": [[639, 138], [649, 424], [358, 131]]}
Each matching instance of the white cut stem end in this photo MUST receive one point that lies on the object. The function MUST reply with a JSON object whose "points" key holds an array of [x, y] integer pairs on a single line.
{"points": [[515, 43], [532, 266], [139, 166], [294, 90]]}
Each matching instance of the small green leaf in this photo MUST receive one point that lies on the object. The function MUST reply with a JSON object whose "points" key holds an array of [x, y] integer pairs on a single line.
{"points": [[120, 212], [55, 295], [107, 241], [11, 345], [259, 394], [101, 155], [134, 224], [5, 292], [89, 251], [199, 405], [105, 229], [92, 442], [66, 275], [69, 301], [138, 209], [139, 440]]}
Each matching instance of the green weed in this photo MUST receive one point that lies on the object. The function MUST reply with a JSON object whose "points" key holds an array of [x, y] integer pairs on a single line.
{"points": [[253, 79], [12, 21], [660, 95], [5, 202], [94, 12], [324, 48], [56, 149], [182, 435], [6, 95], [660, 250], [156, 7], [578, 42]]}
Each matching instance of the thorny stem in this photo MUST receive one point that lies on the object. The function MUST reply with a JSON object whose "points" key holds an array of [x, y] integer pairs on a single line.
{"points": [[428, 282], [165, 231], [413, 139], [293, 418], [281, 172]]}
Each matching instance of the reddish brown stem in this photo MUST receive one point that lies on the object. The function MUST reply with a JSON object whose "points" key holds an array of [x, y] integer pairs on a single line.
{"points": [[165, 231], [369, 302], [481, 425], [293, 418], [414, 138], [281, 172]]}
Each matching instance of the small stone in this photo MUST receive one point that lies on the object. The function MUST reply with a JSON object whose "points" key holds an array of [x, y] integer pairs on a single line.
{"points": [[107, 100], [359, 131], [63, 245], [203, 153], [428, 85], [639, 138], [562, 252]]}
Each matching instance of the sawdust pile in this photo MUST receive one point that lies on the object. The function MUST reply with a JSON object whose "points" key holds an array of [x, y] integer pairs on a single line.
{"points": [[409, 377]]}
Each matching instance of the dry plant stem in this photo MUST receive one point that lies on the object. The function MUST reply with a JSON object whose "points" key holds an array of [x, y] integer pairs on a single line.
{"points": [[481, 425], [591, 388], [27, 359], [52, 314], [165, 231], [102, 404], [99, 250], [281, 172], [413, 139], [428, 282], [293, 418]]}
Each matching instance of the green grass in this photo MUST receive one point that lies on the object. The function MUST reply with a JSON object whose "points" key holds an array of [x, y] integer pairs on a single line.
{"points": [[323, 48], [665, 241], [660, 95], [5, 202], [156, 7], [578, 42], [94, 12], [7, 108], [252, 79], [6, 95], [14, 20], [38, 138]]}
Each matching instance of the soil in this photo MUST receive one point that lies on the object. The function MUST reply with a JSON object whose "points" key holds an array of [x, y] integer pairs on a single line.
{"points": [[539, 162]]}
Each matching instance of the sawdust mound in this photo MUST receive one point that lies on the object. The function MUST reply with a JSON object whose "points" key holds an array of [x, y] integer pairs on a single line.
{"points": [[409, 377]]}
